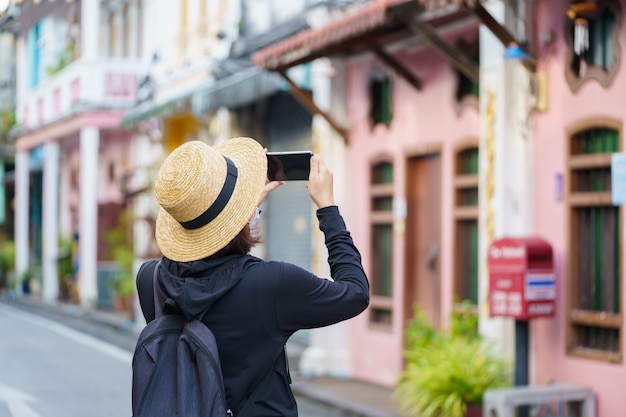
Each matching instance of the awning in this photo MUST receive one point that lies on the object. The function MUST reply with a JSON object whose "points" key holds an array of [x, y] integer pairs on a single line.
{"points": [[346, 32], [31, 12], [241, 88], [150, 109]]}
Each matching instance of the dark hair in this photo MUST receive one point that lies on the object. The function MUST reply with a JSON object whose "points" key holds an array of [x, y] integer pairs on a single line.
{"points": [[242, 243]]}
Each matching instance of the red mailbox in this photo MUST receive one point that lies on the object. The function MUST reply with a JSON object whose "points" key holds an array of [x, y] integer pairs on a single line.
{"points": [[522, 283]]}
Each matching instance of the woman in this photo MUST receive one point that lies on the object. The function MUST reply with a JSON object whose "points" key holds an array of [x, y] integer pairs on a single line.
{"points": [[208, 196]]}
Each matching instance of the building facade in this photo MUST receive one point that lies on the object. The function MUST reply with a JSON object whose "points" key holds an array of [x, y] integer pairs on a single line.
{"points": [[78, 65], [577, 204], [536, 154]]}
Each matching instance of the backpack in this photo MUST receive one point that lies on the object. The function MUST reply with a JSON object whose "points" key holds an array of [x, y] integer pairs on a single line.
{"points": [[176, 367]]}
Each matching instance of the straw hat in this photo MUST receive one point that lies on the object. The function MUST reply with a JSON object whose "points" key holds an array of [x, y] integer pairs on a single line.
{"points": [[207, 195]]}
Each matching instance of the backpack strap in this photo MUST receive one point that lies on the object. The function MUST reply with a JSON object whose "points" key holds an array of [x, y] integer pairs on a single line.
{"points": [[158, 310], [253, 397], [169, 306]]}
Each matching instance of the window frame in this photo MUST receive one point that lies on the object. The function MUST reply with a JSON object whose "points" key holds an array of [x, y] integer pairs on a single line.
{"points": [[35, 54], [463, 212], [472, 49], [377, 113], [573, 315], [380, 303]]}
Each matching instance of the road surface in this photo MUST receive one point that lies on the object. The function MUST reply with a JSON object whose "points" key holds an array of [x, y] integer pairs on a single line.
{"points": [[50, 368]]}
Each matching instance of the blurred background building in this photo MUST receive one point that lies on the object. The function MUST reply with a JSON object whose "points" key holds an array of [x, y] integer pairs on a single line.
{"points": [[7, 115], [449, 125]]}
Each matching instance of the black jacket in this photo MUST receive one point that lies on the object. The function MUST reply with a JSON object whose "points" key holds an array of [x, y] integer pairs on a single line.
{"points": [[253, 307]]}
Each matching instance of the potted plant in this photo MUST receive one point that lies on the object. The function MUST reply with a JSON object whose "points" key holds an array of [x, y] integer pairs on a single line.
{"points": [[447, 372], [31, 280], [65, 265], [7, 263], [120, 250], [124, 281]]}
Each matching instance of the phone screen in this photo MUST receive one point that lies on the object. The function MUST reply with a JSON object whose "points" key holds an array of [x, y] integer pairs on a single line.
{"points": [[288, 166]]}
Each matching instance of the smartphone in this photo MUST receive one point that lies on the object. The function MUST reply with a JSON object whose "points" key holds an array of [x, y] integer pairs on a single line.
{"points": [[288, 166]]}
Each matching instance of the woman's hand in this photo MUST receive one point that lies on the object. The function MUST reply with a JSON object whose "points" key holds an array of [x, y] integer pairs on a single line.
{"points": [[320, 183]]}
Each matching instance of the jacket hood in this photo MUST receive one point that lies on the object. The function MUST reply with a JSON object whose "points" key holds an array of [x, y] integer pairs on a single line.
{"points": [[196, 286]]}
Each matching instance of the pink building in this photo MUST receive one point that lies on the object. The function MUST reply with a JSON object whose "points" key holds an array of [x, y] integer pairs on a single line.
{"points": [[573, 204], [413, 157], [437, 175]]}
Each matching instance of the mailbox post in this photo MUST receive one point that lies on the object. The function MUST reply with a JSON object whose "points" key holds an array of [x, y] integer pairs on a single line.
{"points": [[522, 285]]}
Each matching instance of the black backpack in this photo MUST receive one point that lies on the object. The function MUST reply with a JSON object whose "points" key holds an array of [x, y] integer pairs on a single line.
{"points": [[176, 368]]}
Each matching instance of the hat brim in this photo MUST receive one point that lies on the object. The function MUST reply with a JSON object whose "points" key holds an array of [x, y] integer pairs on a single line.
{"points": [[185, 245]]}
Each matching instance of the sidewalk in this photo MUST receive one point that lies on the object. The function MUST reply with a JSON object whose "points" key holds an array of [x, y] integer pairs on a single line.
{"points": [[353, 398]]}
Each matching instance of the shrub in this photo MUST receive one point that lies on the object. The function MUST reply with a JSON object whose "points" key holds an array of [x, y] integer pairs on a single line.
{"points": [[447, 370]]}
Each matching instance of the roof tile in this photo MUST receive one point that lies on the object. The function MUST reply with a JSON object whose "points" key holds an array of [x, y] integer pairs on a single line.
{"points": [[362, 20]]}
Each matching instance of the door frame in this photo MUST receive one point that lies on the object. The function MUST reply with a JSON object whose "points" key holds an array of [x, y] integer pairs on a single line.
{"points": [[408, 282]]}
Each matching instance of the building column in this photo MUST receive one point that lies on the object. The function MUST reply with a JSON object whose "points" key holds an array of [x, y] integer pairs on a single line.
{"points": [[506, 166], [88, 227], [50, 221], [118, 27], [329, 351], [22, 200], [90, 26], [133, 16]]}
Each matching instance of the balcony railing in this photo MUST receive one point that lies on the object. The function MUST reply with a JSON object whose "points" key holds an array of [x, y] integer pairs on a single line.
{"points": [[107, 84]]}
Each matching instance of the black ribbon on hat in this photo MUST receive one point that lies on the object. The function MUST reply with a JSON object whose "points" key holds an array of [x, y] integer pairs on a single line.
{"points": [[220, 202]]}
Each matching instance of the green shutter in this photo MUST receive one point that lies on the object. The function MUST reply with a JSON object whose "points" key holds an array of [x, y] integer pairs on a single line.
{"points": [[473, 261], [382, 245], [386, 114]]}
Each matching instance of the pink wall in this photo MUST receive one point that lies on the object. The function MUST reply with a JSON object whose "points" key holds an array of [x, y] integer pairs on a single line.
{"points": [[114, 149], [422, 120], [566, 108]]}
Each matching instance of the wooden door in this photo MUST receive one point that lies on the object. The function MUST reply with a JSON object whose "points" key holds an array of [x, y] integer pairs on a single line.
{"points": [[423, 237]]}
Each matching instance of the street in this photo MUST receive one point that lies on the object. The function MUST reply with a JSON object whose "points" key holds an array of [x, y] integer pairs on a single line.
{"points": [[49, 369], [52, 369]]}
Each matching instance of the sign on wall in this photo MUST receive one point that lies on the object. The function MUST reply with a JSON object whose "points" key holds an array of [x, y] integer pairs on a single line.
{"points": [[618, 178]]}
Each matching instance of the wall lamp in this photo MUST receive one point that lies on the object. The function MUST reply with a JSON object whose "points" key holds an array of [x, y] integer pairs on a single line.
{"points": [[514, 51]]}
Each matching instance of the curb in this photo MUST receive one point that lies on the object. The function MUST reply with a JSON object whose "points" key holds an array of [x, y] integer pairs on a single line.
{"points": [[350, 408], [107, 319]]}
